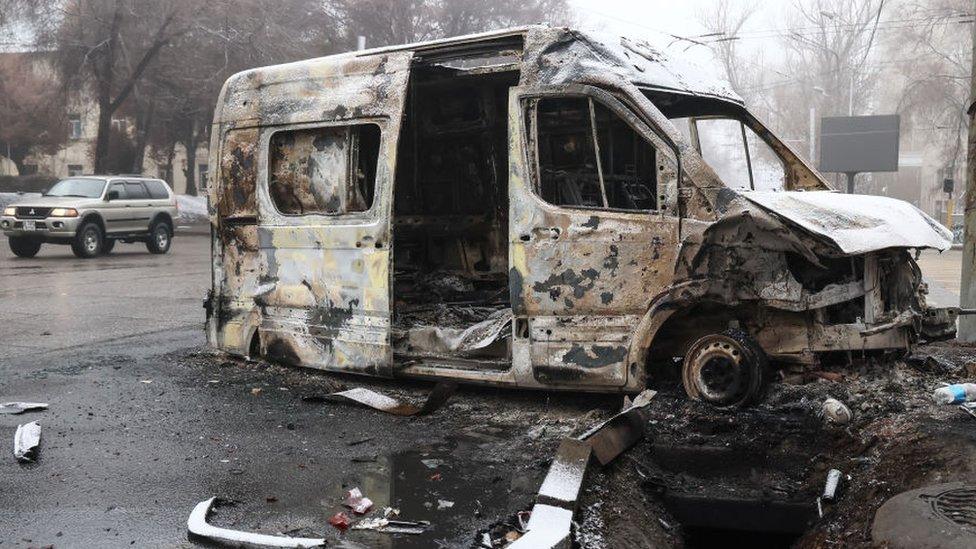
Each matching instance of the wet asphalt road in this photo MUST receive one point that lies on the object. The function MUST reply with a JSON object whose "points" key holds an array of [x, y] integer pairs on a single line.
{"points": [[141, 427]]}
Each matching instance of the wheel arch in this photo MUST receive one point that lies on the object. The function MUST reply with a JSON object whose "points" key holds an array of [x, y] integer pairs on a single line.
{"points": [[92, 217], [163, 216]]}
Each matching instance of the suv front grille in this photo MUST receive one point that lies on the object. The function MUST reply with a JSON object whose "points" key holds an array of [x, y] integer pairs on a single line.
{"points": [[30, 212]]}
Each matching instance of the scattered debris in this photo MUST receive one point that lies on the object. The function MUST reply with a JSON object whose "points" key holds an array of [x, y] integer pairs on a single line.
{"points": [[432, 463], [444, 504], [26, 440], [969, 408], [386, 525], [356, 501], [552, 515], [197, 526], [832, 485], [340, 521], [836, 411], [955, 394], [257, 391], [614, 436], [359, 441], [438, 396], [21, 407]]}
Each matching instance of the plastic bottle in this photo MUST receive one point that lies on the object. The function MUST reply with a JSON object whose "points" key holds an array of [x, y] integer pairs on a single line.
{"points": [[955, 394]]}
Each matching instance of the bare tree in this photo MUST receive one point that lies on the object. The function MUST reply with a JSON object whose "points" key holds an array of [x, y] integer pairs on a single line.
{"points": [[31, 117], [109, 45], [386, 22]]}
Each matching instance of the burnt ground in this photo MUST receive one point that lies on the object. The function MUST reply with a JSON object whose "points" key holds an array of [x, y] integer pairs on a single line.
{"points": [[123, 462]]}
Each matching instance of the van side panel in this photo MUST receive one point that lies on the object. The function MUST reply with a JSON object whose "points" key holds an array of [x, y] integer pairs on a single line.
{"points": [[315, 287]]}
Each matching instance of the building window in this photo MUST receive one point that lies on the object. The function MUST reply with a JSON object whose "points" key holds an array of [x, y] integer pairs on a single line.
{"points": [[202, 170], [330, 170], [29, 169], [74, 129], [75, 169], [120, 124], [165, 173]]}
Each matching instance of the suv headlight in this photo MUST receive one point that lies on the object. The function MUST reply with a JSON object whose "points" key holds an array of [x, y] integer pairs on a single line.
{"points": [[10, 210], [64, 212]]}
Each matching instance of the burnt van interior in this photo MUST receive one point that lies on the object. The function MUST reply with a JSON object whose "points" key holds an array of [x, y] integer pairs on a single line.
{"points": [[450, 250]]}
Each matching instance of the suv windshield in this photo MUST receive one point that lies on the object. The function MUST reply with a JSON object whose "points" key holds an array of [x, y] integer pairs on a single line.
{"points": [[82, 188]]}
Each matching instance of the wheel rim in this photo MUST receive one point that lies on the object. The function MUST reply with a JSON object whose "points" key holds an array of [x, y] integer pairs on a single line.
{"points": [[91, 240], [162, 238], [720, 371]]}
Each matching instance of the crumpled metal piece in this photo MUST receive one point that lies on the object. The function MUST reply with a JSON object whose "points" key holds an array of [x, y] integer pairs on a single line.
{"points": [[26, 440], [385, 525], [197, 525], [438, 396], [615, 435], [21, 407]]}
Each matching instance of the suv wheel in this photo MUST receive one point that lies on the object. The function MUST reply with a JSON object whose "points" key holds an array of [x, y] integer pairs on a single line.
{"points": [[23, 246], [89, 241], [160, 238]]}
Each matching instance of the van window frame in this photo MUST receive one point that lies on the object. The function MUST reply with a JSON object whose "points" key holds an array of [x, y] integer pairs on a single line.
{"points": [[617, 106], [264, 173]]}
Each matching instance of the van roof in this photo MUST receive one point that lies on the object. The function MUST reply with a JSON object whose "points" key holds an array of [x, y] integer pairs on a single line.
{"points": [[558, 55]]}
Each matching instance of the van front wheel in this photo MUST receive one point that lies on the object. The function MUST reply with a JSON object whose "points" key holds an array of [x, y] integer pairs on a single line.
{"points": [[724, 370]]}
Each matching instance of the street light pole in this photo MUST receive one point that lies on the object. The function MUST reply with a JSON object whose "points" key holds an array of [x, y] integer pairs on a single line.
{"points": [[967, 291]]}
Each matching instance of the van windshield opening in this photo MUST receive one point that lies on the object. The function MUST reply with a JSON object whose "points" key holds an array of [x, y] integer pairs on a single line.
{"points": [[722, 133]]}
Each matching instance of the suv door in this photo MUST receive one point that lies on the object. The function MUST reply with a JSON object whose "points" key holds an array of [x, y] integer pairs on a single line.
{"points": [[115, 211], [139, 206], [593, 234]]}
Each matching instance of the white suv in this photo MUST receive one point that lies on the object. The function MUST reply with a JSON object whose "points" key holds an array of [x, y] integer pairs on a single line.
{"points": [[91, 213]]}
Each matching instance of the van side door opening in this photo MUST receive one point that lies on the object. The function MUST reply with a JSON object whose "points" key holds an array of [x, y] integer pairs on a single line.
{"points": [[450, 218]]}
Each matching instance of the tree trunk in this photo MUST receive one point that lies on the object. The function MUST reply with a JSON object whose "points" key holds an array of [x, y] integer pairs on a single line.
{"points": [[143, 125], [190, 143]]}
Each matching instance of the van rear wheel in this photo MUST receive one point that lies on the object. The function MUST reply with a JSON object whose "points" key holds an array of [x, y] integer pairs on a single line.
{"points": [[24, 247], [724, 370]]}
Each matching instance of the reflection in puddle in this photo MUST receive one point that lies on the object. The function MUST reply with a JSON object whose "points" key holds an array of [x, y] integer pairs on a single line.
{"points": [[456, 493]]}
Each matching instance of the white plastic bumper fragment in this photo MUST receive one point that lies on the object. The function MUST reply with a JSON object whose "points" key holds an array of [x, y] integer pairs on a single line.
{"points": [[197, 525]]}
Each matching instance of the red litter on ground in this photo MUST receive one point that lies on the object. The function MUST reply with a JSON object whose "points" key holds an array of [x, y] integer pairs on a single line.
{"points": [[340, 520], [356, 501]]}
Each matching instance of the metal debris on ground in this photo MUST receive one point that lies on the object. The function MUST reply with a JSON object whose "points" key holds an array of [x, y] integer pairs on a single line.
{"points": [[197, 525], [614, 436], [26, 440], [969, 408], [444, 504], [836, 412], [340, 521], [550, 523], [438, 396], [21, 407], [832, 485], [385, 525], [356, 501]]}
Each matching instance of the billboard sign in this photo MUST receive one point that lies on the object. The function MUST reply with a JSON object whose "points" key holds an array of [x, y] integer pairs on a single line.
{"points": [[855, 144]]}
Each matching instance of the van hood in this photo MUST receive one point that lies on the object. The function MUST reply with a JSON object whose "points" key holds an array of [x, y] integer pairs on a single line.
{"points": [[856, 223]]}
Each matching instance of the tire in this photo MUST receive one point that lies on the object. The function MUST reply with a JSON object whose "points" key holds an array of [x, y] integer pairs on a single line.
{"points": [[725, 370], [24, 247], [89, 241], [160, 237], [108, 246]]}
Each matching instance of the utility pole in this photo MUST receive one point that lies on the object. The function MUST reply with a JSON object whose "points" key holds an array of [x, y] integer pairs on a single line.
{"points": [[967, 291]]}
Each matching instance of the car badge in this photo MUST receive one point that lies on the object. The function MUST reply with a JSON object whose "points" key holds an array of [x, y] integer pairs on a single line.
{"points": [[32, 211]]}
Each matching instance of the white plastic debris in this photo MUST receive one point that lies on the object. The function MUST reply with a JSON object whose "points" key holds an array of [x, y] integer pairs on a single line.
{"points": [[21, 407], [955, 394], [26, 440], [356, 501], [836, 411], [444, 504], [197, 525], [388, 526]]}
